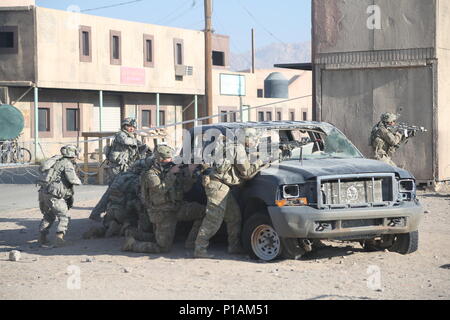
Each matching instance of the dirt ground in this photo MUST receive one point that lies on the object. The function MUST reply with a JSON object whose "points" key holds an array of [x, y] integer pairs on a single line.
{"points": [[98, 269]]}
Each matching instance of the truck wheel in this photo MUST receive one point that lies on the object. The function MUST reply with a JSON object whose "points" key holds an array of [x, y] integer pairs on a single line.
{"points": [[260, 238], [405, 243]]}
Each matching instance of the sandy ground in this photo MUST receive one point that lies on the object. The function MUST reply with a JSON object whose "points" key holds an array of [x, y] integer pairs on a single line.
{"points": [[98, 269]]}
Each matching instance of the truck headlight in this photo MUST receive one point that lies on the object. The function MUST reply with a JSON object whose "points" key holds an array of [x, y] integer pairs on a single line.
{"points": [[406, 190], [291, 191], [291, 195]]}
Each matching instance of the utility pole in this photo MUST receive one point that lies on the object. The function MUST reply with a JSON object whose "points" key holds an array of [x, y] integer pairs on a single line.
{"points": [[208, 59], [253, 50]]}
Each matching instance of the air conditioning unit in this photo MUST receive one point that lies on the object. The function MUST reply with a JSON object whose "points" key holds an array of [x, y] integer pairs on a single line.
{"points": [[182, 70]]}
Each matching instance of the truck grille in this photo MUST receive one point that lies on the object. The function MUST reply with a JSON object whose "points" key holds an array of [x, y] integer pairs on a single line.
{"points": [[363, 190]]}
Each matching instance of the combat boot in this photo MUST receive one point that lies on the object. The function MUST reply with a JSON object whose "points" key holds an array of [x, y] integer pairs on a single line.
{"points": [[43, 238], [113, 229], [202, 253], [128, 245], [59, 241]]}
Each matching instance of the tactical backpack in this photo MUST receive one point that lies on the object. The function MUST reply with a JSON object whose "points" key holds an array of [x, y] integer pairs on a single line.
{"points": [[47, 171], [49, 179]]}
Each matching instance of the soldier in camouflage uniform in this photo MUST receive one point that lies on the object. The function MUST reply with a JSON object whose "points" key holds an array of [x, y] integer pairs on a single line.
{"points": [[162, 190], [217, 182], [384, 141], [124, 206], [125, 149], [57, 179], [121, 155]]}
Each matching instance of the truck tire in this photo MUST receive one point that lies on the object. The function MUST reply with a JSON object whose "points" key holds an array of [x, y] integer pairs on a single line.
{"points": [[260, 239], [405, 243]]}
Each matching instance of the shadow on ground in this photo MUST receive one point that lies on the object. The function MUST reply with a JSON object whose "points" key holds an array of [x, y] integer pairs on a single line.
{"points": [[25, 240]]}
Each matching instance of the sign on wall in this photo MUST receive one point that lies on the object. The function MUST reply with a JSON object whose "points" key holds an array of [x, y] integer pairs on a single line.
{"points": [[232, 84], [134, 76]]}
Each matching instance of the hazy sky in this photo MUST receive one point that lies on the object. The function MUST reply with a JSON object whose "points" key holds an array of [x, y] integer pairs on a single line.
{"points": [[274, 21]]}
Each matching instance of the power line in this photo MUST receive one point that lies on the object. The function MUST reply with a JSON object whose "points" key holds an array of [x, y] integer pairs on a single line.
{"points": [[112, 5], [183, 13], [177, 9], [256, 20]]}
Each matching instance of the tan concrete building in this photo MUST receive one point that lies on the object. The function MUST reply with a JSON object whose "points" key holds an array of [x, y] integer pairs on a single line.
{"points": [[89, 72]]}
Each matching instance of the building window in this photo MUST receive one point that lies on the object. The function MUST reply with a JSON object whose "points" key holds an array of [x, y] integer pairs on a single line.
{"points": [[116, 47], [218, 58], [279, 116], [45, 123], [72, 119], [305, 116], [146, 118], [228, 114], [260, 116], [224, 116], [162, 118], [8, 39], [179, 51], [260, 93], [148, 51], [85, 44], [292, 115], [268, 116], [44, 120]]}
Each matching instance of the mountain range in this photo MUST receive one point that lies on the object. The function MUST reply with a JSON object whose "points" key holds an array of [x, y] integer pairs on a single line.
{"points": [[272, 54]]}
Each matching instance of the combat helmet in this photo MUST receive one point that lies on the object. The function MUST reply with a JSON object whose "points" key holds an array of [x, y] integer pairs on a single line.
{"points": [[129, 122], [388, 117], [69, 151], [163, 151]]}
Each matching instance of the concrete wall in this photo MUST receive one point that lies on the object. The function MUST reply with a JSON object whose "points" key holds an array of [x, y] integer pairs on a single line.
{"points": [[17, 3], [341, 25], [59, 57], [443, 97], [19, 66], [354, 100]]}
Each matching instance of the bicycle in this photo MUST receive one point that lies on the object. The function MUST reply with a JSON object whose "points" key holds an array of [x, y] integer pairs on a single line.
{"points": [[11, 152]]}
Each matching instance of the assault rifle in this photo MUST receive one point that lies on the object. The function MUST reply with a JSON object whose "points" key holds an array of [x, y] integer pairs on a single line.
{"points": [[408, 130]]}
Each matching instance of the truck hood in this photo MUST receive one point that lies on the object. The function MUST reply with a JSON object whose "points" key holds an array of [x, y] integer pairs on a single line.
{"points": [[293, 171]]}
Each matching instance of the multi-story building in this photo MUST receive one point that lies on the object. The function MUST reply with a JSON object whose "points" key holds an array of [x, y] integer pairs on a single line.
{"points": [[88, 72]]}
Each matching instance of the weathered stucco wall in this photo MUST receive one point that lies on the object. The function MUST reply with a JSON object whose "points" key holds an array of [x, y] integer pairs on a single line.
{"points": [[59, 57], [341, 25], [17, 3], [406, 91], [19, 66], [443, 101]]}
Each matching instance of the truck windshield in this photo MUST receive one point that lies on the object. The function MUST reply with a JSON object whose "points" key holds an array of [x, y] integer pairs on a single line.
{"points": [[316, 144]]}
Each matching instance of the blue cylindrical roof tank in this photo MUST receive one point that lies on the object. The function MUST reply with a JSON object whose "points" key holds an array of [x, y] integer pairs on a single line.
{"points": [[276, 86]]}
